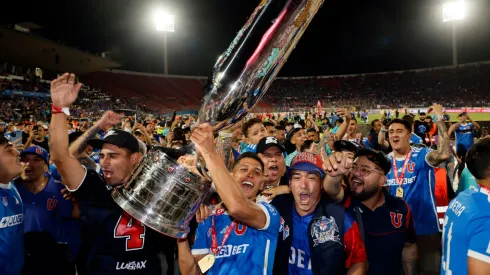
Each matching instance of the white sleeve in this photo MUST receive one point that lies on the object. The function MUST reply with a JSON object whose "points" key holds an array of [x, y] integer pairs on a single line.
{"points": [[84, 176]]}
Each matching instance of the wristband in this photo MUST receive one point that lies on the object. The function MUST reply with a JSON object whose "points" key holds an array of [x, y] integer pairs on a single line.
{"points": [[58, 110]]}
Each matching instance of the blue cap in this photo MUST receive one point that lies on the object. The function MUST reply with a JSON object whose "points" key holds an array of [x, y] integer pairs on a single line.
{"points": [[38, 151]]}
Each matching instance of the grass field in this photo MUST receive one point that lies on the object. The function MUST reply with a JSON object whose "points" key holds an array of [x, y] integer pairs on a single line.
{"points": [[454, 116]]}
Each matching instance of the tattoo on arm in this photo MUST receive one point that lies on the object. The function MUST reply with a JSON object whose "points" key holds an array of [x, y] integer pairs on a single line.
{"points": [[88, 163], [443, 152], [83, 143]]}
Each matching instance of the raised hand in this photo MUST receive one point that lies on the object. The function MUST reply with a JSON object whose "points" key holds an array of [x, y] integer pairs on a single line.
{"points": [[203, 138], [64, 91], [437, 109], [203, 213], [337, 164], [110, 118]]}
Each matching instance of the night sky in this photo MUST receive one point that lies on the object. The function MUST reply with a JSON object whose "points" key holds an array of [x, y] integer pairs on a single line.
{"points": [[346, 36]]}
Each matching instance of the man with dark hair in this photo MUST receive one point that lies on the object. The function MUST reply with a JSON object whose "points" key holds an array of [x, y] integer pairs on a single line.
{"points": [[466, 234], [414, 139], [11, 211], [386, 220], [421, 127], [464, 133], [270, 128], [376, 126], [312, 134], [241, 236], [46, 215], [294, 140], [412, 178], [118, 243], [280, 134], [253, 130], [271, 152]]}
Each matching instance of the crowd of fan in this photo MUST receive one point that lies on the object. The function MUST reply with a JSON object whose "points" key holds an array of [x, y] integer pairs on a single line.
{"points": [[353, 211], [462, 86]]}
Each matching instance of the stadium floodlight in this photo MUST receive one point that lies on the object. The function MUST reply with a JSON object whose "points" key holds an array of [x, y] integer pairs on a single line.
{"points": [[453, 11], [164, 21]]}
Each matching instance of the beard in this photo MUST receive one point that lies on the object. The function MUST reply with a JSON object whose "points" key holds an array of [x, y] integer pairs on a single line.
{"points": [[366, 193]]}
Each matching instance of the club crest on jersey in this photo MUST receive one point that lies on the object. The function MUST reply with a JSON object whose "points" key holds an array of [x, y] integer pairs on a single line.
{"points": [[155, 158], [324, 230], [5, 201], [51, 204], [170, 169], [411, 167], [285, 233], [284, 228], [396, 219]]}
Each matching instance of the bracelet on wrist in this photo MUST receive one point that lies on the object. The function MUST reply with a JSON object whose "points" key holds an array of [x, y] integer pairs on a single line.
{"points": [[58, 110]]}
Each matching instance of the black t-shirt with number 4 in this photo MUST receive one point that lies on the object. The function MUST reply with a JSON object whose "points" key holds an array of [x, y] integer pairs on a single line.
{"points": [[119, 244]]}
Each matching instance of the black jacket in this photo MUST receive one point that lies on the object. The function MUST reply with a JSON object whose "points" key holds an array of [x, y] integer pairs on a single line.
{"points": [[327, 257]]}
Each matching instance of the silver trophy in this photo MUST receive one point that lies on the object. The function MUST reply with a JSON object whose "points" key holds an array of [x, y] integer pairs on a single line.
{"points": [[165, 195]]}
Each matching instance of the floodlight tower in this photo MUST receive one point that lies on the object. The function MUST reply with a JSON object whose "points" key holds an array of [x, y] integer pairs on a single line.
{"points": [[454, 12], [164, 22]]}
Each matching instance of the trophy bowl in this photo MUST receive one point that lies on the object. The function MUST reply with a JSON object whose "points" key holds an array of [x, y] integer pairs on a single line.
{"points": [[165, 195]]}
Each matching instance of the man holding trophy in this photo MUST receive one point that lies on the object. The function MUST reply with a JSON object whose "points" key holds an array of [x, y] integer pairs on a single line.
{"points": [[241, 236]]}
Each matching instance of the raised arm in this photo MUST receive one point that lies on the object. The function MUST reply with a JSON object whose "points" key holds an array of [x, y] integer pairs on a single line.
{"points": [[342, 112], [78, 147], [443, 153], [337, 165], [477, 126], [453, 128], [383, 143], [239, 207], [64, 92]]}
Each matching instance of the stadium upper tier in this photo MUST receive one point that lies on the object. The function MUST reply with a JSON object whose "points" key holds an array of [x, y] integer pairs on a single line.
{"points": [[466, 85]]}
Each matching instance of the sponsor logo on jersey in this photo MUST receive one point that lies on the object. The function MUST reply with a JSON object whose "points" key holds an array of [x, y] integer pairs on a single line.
{"points": [[409, 180], [230, 250], [323, 230], [134, 265], [11, 220], [297, 258]]}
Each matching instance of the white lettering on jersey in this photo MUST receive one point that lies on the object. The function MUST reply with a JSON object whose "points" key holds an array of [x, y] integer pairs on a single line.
{"points": [[298, 261], [457, 207], [230, 250], [393, 182], [11, 220], [488, 249], [131, 265]]}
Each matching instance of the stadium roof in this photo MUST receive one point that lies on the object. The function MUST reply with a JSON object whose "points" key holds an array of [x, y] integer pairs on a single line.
{"points": [[29, 50]]}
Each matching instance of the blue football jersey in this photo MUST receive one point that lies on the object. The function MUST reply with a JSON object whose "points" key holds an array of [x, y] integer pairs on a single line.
{"points": [[464, 135], [416, 139], [418, 190], [466, 231], [11, 230], [44, 211], [247, 250]]}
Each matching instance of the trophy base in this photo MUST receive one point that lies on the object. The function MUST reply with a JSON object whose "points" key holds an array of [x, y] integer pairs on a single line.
{"points": [[141, 212]]}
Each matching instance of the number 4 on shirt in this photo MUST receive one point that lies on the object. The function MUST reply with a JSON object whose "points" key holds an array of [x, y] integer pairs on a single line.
{"points": [[131, 229]]}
